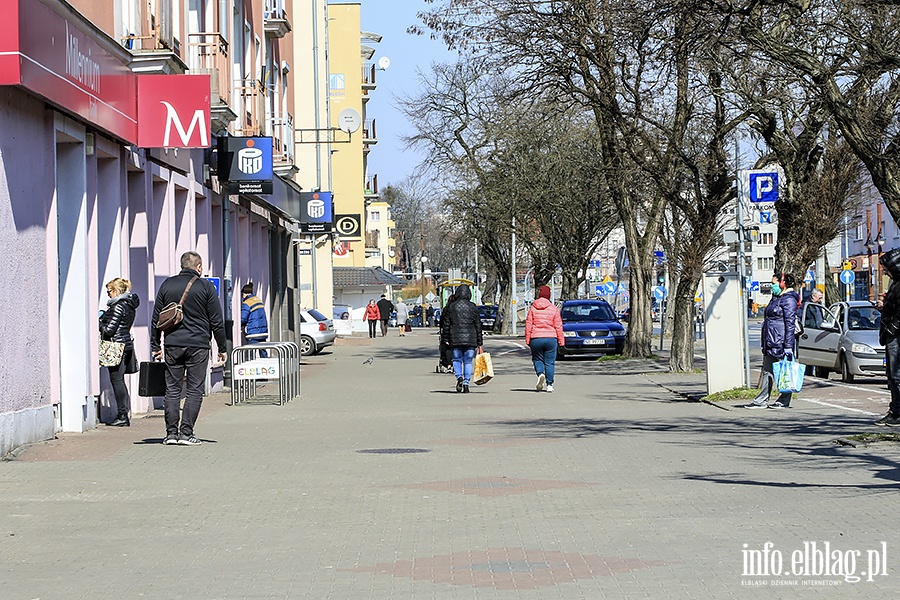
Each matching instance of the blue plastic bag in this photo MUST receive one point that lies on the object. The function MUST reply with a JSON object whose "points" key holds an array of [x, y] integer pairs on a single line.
{"points": [[789, 375]]}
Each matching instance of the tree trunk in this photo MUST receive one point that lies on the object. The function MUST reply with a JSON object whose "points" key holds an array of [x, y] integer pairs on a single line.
{"points": [[640, 324], [570, 283], [505, 307], [681, 358]]}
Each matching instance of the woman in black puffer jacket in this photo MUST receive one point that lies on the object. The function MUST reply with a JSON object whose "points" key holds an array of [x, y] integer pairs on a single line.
{"points": [[115, 326], [461, 332], [777, 338]]}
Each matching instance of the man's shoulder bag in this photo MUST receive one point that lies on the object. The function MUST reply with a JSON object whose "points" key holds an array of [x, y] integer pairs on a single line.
{"points": [[172, 313]]}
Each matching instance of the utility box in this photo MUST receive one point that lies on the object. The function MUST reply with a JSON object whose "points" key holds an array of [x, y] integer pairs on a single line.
{"points": [[724, 309]]}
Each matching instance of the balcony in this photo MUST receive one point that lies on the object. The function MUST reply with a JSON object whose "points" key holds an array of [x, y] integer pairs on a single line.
{"points": [[283, 146], [371, 192], [157, 52], [275, 19], [372, 239], [368, 77], [208, 55], [251, 94]]}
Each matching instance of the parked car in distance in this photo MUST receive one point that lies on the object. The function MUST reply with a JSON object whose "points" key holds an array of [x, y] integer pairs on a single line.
{"points": [[590, 327], [488, 315], [316, 332], [841, 338]]}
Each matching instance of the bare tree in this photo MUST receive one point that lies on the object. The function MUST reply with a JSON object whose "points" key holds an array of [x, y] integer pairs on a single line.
{"points": [[848, 52], [550, 166], [456, 117]]}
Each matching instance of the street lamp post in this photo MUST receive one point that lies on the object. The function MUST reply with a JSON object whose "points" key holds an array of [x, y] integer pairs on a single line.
{"points": [[422, 271], [870, 248], [880, 241]]}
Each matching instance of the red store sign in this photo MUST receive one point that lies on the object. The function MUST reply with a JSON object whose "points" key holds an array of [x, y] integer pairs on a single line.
{"points": [[51, 50]]}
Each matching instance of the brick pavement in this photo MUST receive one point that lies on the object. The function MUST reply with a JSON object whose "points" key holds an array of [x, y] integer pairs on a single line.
{"points": [[614, 486]]}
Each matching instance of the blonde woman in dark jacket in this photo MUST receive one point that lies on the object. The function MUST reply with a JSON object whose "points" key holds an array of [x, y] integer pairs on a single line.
{"points": [[115, 326]]}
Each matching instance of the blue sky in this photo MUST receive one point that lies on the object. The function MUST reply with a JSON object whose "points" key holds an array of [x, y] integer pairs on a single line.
{"points": [[408, 53]]}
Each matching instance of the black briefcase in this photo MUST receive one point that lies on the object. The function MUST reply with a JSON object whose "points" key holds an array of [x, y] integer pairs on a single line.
{"points": [[152, 380]]}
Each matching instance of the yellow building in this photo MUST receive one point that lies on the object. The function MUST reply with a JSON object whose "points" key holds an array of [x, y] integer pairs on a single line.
{"points": [[380, 244], [349, 82]]}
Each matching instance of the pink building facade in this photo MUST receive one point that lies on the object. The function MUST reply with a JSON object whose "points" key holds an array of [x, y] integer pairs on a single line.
{"points": [[81, 204]]}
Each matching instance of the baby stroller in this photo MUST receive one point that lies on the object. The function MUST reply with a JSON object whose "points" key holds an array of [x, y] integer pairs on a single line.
{"points": [[445, 363]]}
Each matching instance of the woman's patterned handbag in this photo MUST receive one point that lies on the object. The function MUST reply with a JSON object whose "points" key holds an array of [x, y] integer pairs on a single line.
{"points": [[111, 353]]}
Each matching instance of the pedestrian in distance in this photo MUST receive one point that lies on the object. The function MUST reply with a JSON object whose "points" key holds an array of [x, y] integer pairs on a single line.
{"points": [[544, 335], [402, 317], [253, 317], [115, 326], [372, 315], [186, 346], [813, 318], [461, 331], [777, 338], [385, 308], [889, 336]]}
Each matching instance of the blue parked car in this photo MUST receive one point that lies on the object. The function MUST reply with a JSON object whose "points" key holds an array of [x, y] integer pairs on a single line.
{"points": [[590, 327]]}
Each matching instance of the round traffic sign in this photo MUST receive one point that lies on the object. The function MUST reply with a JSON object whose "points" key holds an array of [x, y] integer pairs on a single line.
{"points": [[847, 277], [659, 292]]}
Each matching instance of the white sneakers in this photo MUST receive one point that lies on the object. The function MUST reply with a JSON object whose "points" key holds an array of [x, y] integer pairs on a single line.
{"points": [[542, 384]]}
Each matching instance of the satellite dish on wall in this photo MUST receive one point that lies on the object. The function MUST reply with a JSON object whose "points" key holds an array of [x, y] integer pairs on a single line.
{"points": [[349, 120], [383, 63]]}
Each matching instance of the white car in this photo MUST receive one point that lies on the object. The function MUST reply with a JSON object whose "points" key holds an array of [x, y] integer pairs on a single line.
{"points": [[316, 332]]}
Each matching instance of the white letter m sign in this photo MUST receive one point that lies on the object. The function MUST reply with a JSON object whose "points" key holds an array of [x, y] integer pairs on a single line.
{"points": [[197, 121]]}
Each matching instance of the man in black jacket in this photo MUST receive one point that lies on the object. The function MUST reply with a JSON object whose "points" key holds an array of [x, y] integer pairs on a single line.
{"points": [[889, 336], [187, 346], [385, 308], [461, 332]]}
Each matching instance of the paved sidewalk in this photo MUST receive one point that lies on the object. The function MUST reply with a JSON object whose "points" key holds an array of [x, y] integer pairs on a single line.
{"points": [[381, 482]]}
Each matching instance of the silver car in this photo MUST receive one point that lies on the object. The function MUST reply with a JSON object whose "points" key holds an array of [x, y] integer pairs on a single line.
{"points": [[316, 332], [842, 338]]}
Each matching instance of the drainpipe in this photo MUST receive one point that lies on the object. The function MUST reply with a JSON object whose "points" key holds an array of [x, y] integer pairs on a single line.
{"points": [[226, 285]]}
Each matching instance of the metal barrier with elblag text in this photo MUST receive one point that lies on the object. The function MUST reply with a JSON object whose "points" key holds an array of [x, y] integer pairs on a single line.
{"points": [[265, 372]]}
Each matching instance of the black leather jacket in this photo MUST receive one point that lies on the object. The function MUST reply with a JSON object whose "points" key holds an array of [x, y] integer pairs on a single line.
{"points": [[460, 321], [116, 322], [202, 314]]}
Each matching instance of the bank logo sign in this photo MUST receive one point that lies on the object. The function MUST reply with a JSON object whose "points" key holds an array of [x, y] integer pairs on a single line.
{"points": [[245, 164], [316, 210], [250, 161], [347, 225], [173, 111]]}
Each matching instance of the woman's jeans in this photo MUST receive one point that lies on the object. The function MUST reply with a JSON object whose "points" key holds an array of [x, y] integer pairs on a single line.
{"points": [[462, 362], [543, 355], [372, 325], [117, 378], [767, 385]]}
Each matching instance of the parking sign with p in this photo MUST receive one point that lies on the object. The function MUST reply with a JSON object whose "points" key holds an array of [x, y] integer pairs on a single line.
{"points": [[763, 186]]}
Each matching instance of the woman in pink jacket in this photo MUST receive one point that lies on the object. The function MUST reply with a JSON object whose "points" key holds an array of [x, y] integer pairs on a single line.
{"points": [[544, 335]]}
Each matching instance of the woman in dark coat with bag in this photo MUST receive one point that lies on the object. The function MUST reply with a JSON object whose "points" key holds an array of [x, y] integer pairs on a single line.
{"points": [[778, 330], [115, 326]]}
